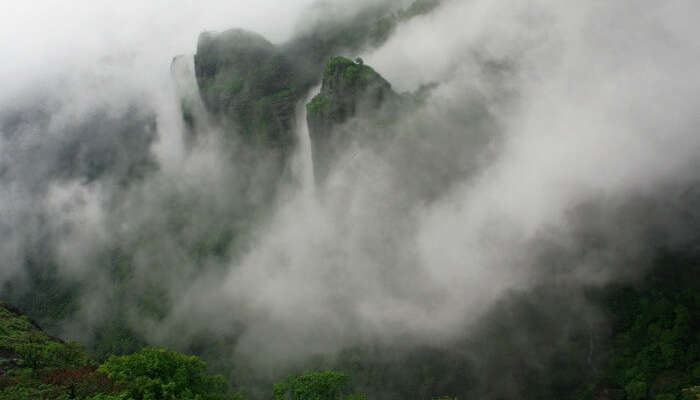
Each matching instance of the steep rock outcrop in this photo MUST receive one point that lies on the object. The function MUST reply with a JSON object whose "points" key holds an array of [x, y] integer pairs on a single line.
{"points": [[249, 83], [245, 81], [251, 87], [349, 89]]}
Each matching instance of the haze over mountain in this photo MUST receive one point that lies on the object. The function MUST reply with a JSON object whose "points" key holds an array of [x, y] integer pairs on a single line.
{"points": [[438, 197]]}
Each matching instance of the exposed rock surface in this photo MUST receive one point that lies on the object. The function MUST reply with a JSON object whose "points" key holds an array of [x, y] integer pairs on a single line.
{"points": [[192, 110], [348, 89], [252, 85], [244, 79]]}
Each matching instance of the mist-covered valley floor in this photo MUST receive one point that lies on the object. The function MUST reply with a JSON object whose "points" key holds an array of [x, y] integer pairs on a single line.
{"points": [[322, 199]]}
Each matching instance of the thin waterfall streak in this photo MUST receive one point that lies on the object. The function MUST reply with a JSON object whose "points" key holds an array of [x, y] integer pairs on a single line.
{"points": [[304, 165]]}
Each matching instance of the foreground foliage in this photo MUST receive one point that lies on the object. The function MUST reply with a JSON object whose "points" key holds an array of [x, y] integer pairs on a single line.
{"points": [[162, 374], [656, 341], [36, 366], [323, 385]]}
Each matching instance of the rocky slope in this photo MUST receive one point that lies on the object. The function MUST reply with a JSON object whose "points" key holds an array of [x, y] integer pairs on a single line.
{"points": [[348, 89], [252, 85], [244, 79]]}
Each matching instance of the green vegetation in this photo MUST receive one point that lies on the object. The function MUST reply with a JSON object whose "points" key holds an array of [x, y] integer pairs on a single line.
{"points": [[285, 93], [656, 342], [254, 85], [236, 85], [323, 385], [353, 73], [655, 346], [14, 329], [162, 374], [246, 82], [24, 344], [359, 73], [336, 64], [36, 366], [350, 88], [318, 105], [227, 89]]}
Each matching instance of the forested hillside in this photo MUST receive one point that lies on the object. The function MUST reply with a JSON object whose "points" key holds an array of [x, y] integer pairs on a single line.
{"points": [[382, 200], [652, 352]]}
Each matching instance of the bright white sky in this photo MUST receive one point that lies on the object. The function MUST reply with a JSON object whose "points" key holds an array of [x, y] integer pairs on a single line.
{"points": [[39, 37]]}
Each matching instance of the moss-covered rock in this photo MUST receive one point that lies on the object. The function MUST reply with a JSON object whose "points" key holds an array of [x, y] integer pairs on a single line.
{"points": [[349, 89], [248, 83]]}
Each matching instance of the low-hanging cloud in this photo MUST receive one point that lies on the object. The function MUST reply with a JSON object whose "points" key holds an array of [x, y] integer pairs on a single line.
{"points": [[586, 104], [544, 111]]}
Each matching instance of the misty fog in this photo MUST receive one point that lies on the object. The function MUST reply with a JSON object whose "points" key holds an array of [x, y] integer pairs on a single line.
{"points": [[556, 130]]}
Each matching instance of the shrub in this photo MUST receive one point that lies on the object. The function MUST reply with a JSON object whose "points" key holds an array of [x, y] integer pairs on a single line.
{"points": [[155, 374], [323, 385]]}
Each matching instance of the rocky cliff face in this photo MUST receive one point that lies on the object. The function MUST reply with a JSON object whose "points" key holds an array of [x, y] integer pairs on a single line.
{"points": [[348, 89], [247, 82], [251, 85]]}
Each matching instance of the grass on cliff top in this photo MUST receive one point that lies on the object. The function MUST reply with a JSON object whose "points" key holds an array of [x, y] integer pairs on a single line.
{"points": [[353, 73]]}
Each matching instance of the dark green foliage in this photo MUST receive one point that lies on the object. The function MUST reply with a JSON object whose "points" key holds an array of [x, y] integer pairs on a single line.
{"points": [[16, 329], [355, 75], [658, 342], [236, 85], [30, 347], [154, 374], [37, 355], [254, 86], [58, 299], [398, 372], [348, 89], [323, 385], [35, 366], [656, 345], [336, 64], [318, 105], [248, 83], [241, 75], [18, 392]]}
